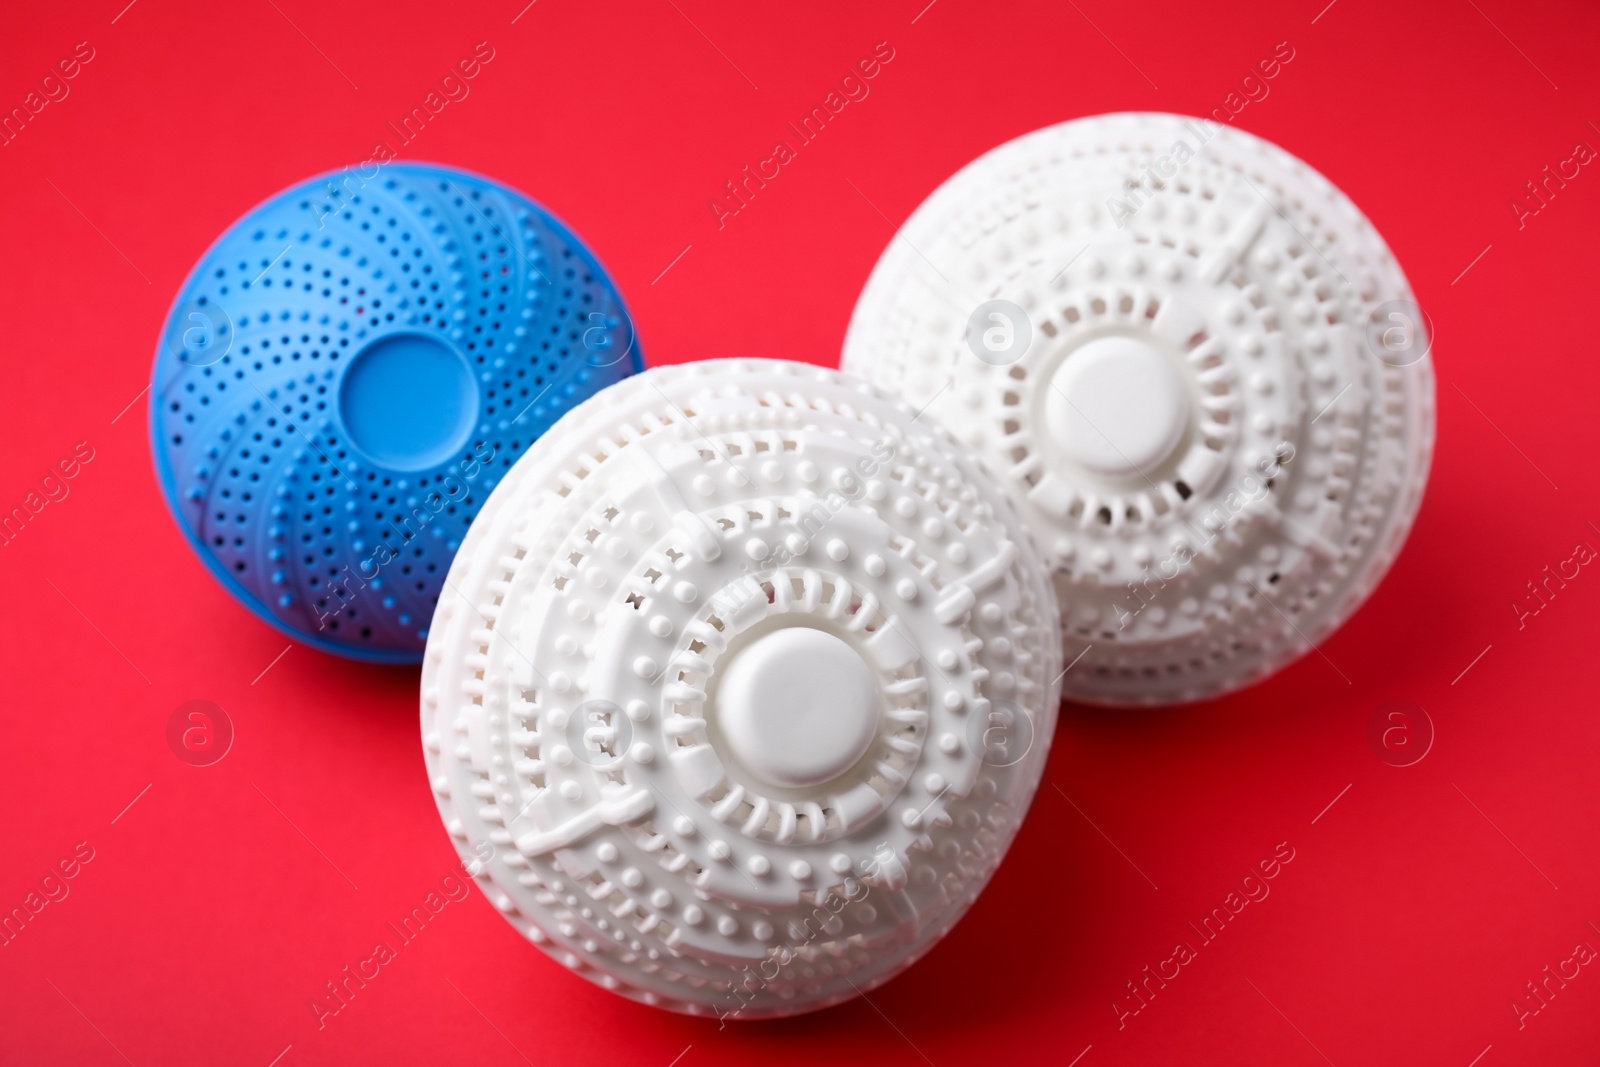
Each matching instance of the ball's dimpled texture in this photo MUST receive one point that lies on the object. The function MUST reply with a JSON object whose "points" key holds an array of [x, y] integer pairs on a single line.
{"points": [[1196, 368], [685, 556], [346, 375]]}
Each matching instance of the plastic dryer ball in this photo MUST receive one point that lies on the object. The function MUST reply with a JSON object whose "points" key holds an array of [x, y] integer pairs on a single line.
{"points": [[328, 414], [756, 606], [1177, 328]]}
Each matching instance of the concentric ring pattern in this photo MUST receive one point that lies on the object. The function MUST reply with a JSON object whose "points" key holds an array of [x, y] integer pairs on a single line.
{"points": [[347, 374], [744, 685], [1196, 368]]}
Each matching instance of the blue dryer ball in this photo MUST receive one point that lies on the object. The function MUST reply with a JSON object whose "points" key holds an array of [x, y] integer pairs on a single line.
{"points": [[346, 375]]}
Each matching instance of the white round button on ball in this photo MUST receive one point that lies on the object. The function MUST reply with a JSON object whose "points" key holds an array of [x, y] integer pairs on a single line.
{"points": [[799, 707], [1117, 406]]}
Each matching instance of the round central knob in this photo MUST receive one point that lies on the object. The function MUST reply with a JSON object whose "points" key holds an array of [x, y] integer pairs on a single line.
{"points": [[408, 401], [1117, 406], [798, 706]]}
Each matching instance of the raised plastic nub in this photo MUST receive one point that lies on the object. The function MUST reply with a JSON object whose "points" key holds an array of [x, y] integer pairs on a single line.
{"points": [[798, 707], [1117, 406], [408, 401]]}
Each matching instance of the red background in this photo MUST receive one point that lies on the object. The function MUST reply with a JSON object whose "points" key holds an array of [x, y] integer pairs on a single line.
{"points": [[1416, 907]]}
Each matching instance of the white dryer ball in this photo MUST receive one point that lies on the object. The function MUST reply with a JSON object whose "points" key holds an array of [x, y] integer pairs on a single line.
{"points": [[740, 783], [1196, 368]]}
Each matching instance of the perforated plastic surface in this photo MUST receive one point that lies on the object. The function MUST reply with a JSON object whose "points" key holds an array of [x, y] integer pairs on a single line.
{"points": [[346, 375], [745, 681], [1196, 368]]}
